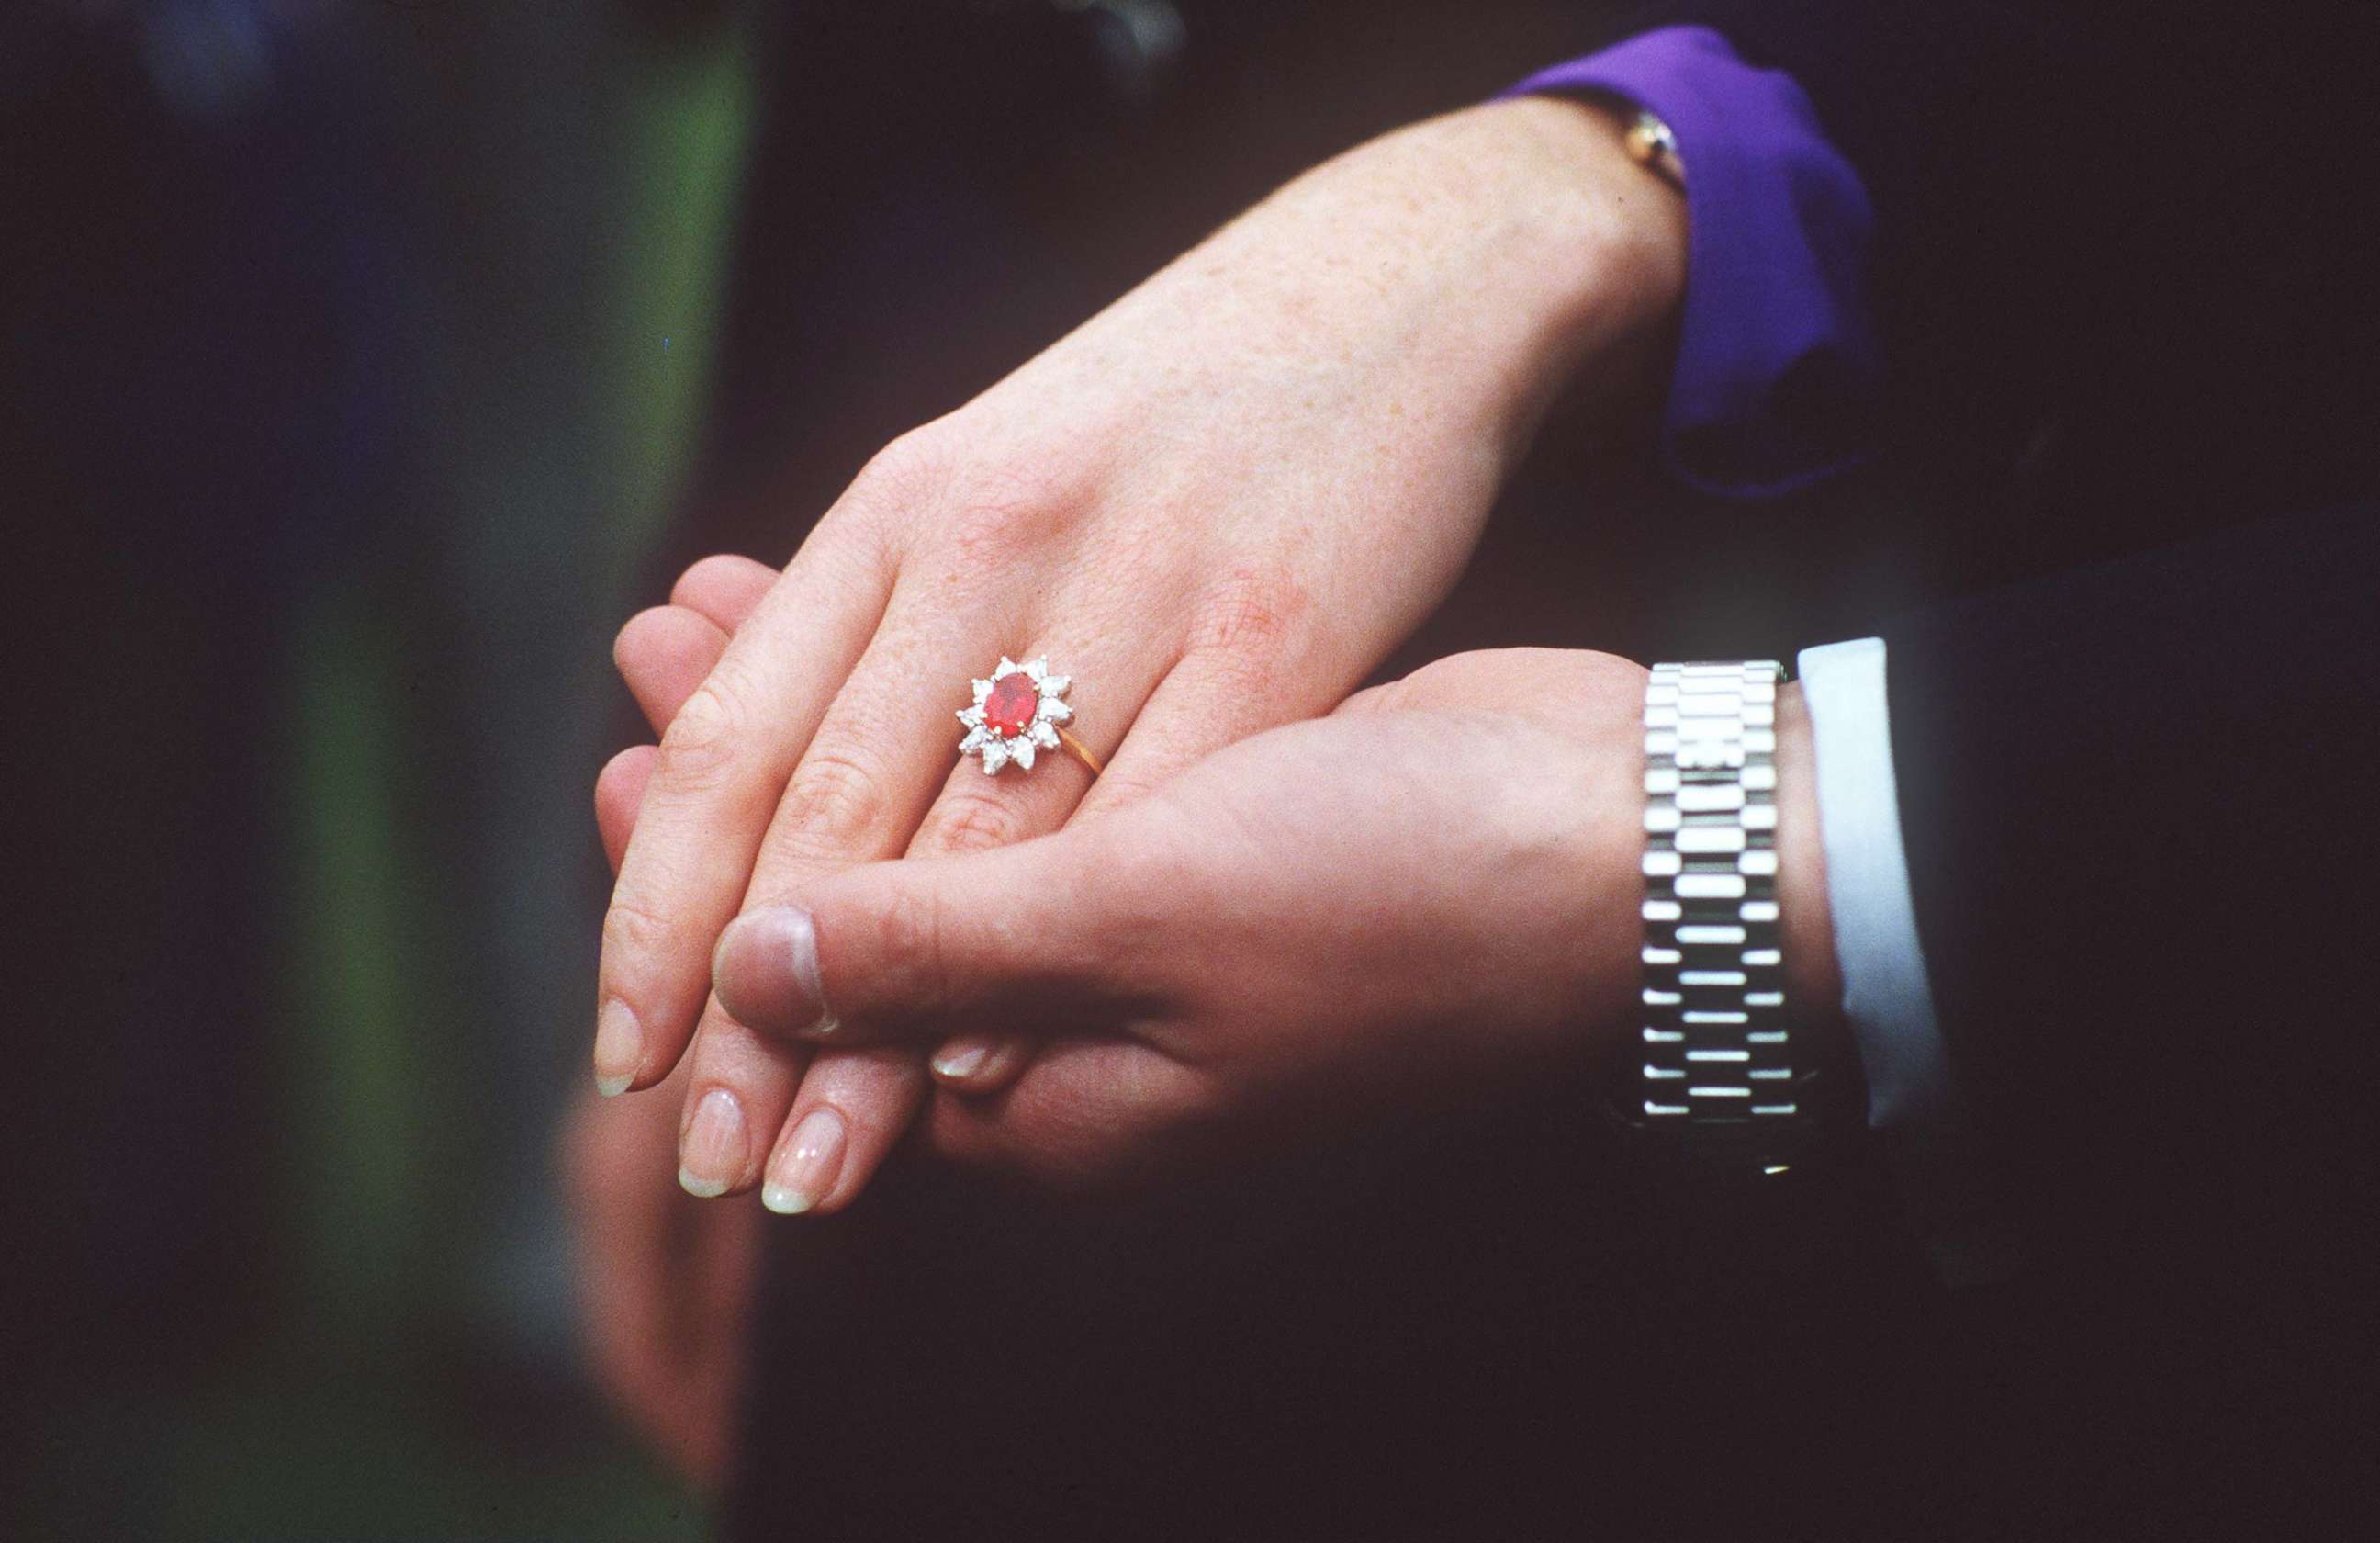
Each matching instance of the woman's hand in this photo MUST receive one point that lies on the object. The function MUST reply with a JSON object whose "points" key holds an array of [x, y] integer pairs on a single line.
{"points": [[1216, 506]]}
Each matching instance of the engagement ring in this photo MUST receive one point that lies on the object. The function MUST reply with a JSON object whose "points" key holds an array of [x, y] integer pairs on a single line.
{"points": [[1018, 712]]}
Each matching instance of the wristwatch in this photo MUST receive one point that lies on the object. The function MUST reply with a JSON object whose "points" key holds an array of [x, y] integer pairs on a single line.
{"points": [[1721, 1064]]}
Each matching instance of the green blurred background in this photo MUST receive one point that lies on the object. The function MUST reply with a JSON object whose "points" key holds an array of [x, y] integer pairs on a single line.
{"points": [[361, 352]]}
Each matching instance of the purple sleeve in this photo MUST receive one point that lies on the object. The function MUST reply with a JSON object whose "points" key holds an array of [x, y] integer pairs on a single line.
{"points": [[1777, 372]]}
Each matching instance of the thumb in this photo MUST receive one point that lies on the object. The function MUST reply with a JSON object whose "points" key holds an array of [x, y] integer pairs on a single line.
{"points": [[1017, 936]]}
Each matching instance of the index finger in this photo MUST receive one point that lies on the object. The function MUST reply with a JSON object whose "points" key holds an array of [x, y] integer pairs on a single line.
{"points": [[722, 763]]}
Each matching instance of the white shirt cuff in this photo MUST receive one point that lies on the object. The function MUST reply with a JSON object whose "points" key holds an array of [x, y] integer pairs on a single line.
{"points": [[1912, 1104]]}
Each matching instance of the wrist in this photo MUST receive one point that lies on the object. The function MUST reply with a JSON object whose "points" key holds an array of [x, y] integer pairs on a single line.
{"points": [[1740, 1003], [1498, 249], [1813, 979], [1598, 249]]}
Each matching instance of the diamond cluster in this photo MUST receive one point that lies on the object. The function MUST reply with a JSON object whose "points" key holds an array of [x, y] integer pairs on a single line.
{"points": [[1016, 714]]}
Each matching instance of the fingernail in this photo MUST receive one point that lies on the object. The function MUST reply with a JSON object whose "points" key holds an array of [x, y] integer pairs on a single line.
{"points": [[805, 1168], [619, 1046], [711, 1154], [766, 972], [961, 1059]]}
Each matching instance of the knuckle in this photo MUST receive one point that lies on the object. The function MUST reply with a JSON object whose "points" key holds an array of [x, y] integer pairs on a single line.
{"points": [[701, 745], [999, 507], [831, 794], [1247, 616], [631, 929], [943, 486], [971, 822], [902, 476], [908, 465], [1238, 671], [910, 929]]}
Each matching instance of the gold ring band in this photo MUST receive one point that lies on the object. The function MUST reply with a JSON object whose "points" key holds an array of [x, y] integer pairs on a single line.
{"points": [[1080, 751]]}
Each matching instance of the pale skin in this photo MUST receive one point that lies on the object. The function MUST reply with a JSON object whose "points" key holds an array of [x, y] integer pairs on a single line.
{"points": [[1431, 890], [1216, 505], [1221, 966]]}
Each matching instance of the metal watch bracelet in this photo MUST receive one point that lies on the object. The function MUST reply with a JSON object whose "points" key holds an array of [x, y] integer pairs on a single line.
{"points": [[1718, 1051]]}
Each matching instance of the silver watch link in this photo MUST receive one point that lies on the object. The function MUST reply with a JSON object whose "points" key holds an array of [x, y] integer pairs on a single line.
{"points": [[1718, 1048]]}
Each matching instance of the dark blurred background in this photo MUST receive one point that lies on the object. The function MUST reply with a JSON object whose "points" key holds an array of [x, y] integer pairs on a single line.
{"points": [[367, 363]]}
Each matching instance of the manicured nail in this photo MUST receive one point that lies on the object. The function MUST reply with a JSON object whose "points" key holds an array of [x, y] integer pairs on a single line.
{"points": [[806, 1166], [766, 972], [711, 1154], [961, 1059], [619, 1046]]}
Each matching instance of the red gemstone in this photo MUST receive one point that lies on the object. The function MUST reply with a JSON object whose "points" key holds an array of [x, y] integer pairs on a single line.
{"points": [[1009, 706]]}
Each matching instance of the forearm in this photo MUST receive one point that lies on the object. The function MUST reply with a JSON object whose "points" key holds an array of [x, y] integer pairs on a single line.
{"points": [[1595, 264]]}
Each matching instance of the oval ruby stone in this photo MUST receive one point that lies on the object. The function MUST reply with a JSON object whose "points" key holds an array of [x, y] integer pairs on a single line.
{"points": [[1010, 706]]}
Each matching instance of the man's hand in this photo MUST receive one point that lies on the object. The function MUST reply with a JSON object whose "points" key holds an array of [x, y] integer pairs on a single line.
{"points": [[1216, 506], [1434, 888]]}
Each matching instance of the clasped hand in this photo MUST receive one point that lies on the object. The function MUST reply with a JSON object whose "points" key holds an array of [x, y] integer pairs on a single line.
{"points": [[1216, 506], [1430, 888]]}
